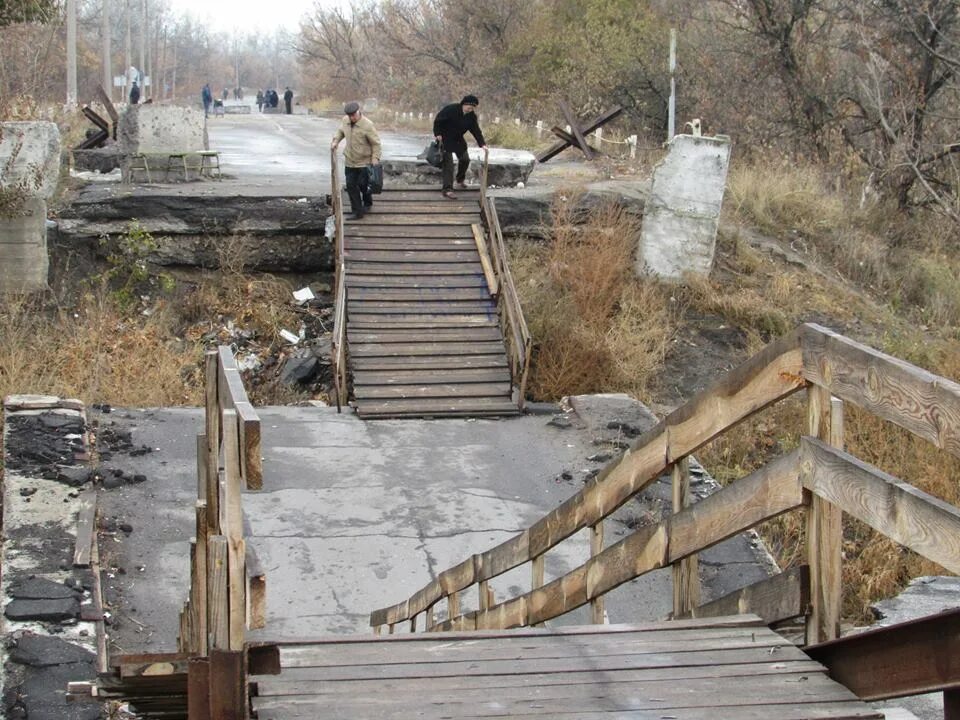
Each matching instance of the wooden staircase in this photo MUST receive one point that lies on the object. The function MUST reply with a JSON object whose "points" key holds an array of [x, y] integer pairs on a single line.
{"points": [[423, 331]]}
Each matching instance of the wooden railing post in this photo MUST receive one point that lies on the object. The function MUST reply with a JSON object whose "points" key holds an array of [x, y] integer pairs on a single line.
{"points": [[212, 417], [824, 527], [597, 605], [537, 574], [232, 529], [686, 573]]}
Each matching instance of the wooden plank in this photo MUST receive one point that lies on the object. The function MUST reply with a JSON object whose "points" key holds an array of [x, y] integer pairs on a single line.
{"points": [[400, 307], [427, 377], [418, 244], [824, 534], [198, 689], [108, 105], [910, 658], [413, 219], [407, 321], [212, 433], [919, 401], [784, 596], [436, 335], [686, 578], [355, 280], [412, 256], [451, 390], [284, 685], [361, 350], [574, 124], [596, 547], [419, 269], [198, 580], [437, 406], [492, 284], [228, 687], [420, 294], [233, 529], [436, 362], [218, 610], [396, 207], [366, 230], [897, 509], [86, 528], [256, 591]]}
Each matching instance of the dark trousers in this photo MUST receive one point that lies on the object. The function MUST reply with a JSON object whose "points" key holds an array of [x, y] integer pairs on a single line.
{"points": [[463, 162], [358, 188]]}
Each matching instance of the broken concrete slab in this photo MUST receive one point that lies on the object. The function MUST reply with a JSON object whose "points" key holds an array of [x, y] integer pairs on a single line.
{"points": [[161, 129], [24, 261], [29, 160], [38, 588], [680, 222], [43, 610], [45, 651], [507, 168]]}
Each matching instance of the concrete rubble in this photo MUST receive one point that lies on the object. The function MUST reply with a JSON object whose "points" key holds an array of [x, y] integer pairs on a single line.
{"points": [[682, 214], [29, 172]]}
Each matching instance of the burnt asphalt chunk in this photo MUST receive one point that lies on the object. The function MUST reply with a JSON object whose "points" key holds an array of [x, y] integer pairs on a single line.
{"points": [[37, 588], [43, 610], [45, 651]]}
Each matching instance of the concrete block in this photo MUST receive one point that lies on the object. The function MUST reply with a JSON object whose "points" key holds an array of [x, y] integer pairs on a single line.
{"points": [[682, 214], [23, 248], [507, 168], [161, 129], [29, 159]]}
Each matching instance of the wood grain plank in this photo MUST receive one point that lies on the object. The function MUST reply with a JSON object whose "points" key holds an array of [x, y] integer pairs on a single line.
{"points": [[218, 603], [422, 270], [784, 596], [355, 280], [439, 390], [407, 231], [412, 256], [364, 350], [420, 294], [387, 220], [919, 401], [429, 406], [436, 335], [428, 362], [374, 307], [897, 509], [407, 321]]}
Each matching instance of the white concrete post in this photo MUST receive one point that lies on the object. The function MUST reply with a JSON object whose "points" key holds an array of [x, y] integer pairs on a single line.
{"points": [[539, 127], [632, 142], [672, 107], [420, 116], [496, 120], [517, 121], [72, 53], [598, 134]]}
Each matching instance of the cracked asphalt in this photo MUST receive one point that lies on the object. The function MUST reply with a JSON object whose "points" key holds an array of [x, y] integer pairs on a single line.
{"points": [[357, 515]]}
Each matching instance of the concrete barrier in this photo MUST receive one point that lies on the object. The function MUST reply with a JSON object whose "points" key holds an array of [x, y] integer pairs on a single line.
{"points": [[29, 171], [507, 168], [161, 129], [681, 217]]}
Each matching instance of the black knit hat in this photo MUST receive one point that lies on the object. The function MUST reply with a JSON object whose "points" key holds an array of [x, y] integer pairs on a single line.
{"points": [[350, 108], [470, 100]]}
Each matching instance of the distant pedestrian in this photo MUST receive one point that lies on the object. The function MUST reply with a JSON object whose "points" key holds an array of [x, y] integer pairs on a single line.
{"points": [[226, 94], [259, 100], [274, 99], [362, 150], [134, 93], [207, 96], [288, 100], [449, 127]]}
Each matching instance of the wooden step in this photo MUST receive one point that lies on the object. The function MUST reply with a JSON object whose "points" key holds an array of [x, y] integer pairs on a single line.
{"points": [[432, 390], [427, 294], [410, 243], [426, 208], [389, 334], [360, 350], [373, 307], [437, 407], [359, 320], [370, 230], [412, 256], [409, 363], [431, 376], [414, 219], [420, 269], [355, 280]]}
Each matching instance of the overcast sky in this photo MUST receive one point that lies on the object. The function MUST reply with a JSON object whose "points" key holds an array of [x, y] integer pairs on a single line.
{"points": [[248, 16]]}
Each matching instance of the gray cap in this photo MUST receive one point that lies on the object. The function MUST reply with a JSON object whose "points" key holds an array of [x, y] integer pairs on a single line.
{"points": [[351, 107]]}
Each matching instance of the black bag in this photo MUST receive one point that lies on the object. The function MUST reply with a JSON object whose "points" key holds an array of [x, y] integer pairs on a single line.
{"points": [[375, 177], [433, 154]]}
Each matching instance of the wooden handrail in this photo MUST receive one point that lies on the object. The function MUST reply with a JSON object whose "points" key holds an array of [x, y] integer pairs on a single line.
{"points": [[516, 332], [810, 357], [338, 347]]}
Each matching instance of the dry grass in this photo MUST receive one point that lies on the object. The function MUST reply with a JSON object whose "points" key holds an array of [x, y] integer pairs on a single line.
{"points": [[596, 327]]}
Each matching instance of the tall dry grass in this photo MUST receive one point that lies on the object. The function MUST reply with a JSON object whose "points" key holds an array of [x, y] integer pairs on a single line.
{"points": [[596, 327]]}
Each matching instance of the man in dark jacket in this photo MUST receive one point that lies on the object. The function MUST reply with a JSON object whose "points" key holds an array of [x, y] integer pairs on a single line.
{"points": [[134, 93], [449, 126], [288, 100]]}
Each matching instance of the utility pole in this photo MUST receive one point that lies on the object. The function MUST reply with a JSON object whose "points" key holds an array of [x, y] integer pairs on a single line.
{"points": [[143, 47], [672, 107], [128, 56], [105, 48], [71, 53]]}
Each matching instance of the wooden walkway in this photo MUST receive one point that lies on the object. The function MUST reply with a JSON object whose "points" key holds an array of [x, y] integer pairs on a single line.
{"points": [[732, 667], [423, 333]]}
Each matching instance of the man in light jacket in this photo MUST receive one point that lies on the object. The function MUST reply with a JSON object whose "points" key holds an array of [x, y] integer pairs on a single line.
{"points": [[361, 151]]}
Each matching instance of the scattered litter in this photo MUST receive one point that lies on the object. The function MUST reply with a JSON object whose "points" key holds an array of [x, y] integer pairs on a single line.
{"points": [[290, 337], [520, 185], [113, 176], [301, 200], [303, 295], [249, 362]]}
